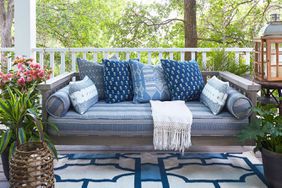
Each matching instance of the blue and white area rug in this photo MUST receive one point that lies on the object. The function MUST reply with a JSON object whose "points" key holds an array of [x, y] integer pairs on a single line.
{"points": [[159, 170]]}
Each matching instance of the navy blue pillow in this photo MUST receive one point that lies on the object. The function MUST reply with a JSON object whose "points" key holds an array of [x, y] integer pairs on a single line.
{"points": [[184, 79], [117, 81]]}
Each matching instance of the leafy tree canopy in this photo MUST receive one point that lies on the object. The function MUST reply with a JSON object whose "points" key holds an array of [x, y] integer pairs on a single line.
{"points": [[128, 23]]}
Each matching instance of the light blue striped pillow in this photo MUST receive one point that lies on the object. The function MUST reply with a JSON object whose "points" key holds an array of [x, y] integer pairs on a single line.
{"points": [[214, 94], [148, 82], [83, 94], [238, 104], [58, 104]]}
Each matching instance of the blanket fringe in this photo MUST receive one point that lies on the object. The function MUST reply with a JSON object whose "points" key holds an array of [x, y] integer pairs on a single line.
{"points": [[171, 138]]}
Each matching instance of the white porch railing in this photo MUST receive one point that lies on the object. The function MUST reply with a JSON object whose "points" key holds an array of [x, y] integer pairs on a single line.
{"points": [[64, 59]]}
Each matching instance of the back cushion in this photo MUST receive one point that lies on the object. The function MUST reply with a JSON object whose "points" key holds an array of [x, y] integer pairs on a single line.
{"points": [[83, 95], [95, 72], [184, 79], [214, 94], [148, 82], [117, 81]]}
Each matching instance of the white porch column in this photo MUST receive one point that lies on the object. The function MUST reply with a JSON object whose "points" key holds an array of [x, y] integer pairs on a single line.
{"points": [[25, 27]]}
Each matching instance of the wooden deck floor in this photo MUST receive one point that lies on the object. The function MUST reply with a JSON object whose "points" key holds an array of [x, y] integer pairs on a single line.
{"points": [[63, 149]]}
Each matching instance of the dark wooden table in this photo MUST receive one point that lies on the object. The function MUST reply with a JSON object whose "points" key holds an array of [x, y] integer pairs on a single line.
{"points": [[271, 93]]}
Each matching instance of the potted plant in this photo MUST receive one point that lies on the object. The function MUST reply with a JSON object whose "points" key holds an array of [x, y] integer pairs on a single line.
{"points": [[266, 131], [20, 108]]}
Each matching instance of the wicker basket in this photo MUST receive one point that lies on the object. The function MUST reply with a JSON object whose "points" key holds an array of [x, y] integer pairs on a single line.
{"points": [[32, 166]]}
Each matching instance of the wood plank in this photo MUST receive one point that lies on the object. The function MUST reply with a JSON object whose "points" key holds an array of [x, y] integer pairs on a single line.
{"points": [[240, 82]]}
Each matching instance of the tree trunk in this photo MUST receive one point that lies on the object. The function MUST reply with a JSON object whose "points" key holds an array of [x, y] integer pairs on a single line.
{"points": [[190, 25], [6, 21]]}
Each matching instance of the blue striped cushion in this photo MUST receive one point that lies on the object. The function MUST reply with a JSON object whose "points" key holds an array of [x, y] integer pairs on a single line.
{"points": [[131, 119], [58, 104], [148, 82], [214, 94], [83, 94], [95, 72], [238, 104]]}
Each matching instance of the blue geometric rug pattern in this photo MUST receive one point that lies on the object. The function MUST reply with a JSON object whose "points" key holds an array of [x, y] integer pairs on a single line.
{"points": [[159, 170]]}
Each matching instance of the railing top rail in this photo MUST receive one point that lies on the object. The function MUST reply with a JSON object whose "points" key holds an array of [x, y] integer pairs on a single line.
{"points": [[90, 49], [7, 49]]}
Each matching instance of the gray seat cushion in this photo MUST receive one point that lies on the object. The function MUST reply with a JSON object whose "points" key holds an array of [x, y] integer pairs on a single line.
{"points": [[129, 119]]}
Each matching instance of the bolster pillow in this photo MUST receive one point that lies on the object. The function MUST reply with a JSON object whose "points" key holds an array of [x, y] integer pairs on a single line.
{"points": [[238, 104], [59, 103]]}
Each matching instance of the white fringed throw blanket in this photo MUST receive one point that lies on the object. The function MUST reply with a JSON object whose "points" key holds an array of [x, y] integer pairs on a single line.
{"points": [[172, 125]]}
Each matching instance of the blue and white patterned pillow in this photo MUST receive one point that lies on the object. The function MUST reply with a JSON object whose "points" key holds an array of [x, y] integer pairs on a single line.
{"points": [[95, 72], [59, 103], [214, 94], [238, 104], [184, 79], [117, 81], [148, 82], [83, 94]]}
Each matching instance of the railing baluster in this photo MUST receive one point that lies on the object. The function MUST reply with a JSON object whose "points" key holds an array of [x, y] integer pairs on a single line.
{"points": [[160, 56], [237, 58], [95, 58], [192, 55], [9, 65], [85, 55], [248, 58], [73, 60], [117, 55], [41, 58], [149, 58], [52, 65], [106, 55], [127, 56], [204, 59], [171, 55], [63, 63], [182, 56]]}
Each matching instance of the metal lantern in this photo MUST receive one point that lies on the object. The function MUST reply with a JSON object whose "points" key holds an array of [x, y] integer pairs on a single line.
{"points": [[268, 52]]}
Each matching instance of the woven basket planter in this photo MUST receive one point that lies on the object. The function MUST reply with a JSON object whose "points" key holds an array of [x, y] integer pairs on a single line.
{"points": [[32, 166]]}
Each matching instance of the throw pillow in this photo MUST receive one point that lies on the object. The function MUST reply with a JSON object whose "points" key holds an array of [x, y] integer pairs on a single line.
{"points": [[184, 79], [58, 104], [148, 82], [238, 104], [95, 72], [83, 94], [117, 81], [214, 94]]}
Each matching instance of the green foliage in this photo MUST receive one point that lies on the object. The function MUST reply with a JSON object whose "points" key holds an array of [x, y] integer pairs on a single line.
{"points": [[266, 130], [126, 23], [220, 60], [21, 116], [77, 23]]}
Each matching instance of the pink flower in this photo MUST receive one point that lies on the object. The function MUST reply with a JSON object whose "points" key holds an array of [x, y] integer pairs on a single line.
{"points": [[20, 66], [9, 75], [29, 79], [5, 78], [34, 65], [41, 74], [21, 81]]}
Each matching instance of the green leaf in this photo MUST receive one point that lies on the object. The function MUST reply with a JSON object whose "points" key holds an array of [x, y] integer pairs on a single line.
{"points": [[5, 139], [12, 149], [38, 123], [21, 135], [54, 127], [52, 149]]}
